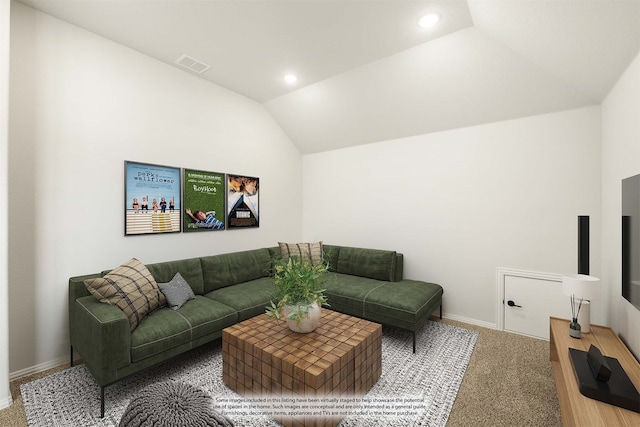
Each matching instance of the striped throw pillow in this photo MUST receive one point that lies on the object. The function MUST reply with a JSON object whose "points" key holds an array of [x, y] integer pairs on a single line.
{"points": [[131, 288], [304, 252]]}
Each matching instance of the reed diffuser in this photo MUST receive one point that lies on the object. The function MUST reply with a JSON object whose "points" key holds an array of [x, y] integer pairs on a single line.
{"points": [[575, 331]]}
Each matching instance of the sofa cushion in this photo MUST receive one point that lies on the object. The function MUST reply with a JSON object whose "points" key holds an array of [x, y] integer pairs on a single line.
{"points": [[405, 304], [131, 288], [304, 252], [248, 299], [372, 263], [177, 292], [224, 270], [166, 329], [346, 292], [190, 269]]}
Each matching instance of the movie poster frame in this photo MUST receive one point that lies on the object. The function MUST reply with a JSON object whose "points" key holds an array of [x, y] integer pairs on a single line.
{"points": [[133, 169], [253, 221], [188, 224]]}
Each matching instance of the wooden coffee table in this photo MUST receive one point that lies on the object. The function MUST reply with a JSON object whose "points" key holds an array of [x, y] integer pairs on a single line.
{"points": [[342, 357]]}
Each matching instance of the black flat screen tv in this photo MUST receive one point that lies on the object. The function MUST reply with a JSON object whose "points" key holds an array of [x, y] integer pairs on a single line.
{"points": [[631, 240]]}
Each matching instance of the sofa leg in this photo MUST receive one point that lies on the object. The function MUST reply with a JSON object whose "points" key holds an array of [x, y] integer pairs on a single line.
{"points": [[440, 311], [71, 362], [414, 342], [101, 401]]}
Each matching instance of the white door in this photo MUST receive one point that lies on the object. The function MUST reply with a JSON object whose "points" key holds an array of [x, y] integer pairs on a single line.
{"points": [[530, 299]]}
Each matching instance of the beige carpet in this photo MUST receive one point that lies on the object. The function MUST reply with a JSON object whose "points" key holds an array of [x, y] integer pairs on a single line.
{"points": [[509, 382]]}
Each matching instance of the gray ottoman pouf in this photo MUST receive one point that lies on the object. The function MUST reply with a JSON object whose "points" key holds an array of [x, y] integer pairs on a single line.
{"points": [[172, 404]]}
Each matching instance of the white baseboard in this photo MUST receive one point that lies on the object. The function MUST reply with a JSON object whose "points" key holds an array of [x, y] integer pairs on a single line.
{"points": [[6, 402], [470, 321], [39, 368], [485, 325]]}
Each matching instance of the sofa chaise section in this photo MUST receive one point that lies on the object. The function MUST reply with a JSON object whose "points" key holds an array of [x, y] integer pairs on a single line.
{"points": [[368, 283]]}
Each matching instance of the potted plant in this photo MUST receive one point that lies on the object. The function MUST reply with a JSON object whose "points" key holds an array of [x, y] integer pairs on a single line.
{"points": [[299, 294]]}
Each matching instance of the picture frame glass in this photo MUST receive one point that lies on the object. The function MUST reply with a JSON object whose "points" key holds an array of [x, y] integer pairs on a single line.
{"points": [[243, 201], [152, 199], [204, 201]]}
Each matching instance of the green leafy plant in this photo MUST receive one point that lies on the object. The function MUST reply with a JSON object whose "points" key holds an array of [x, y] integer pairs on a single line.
{"points": [[298, 284]]}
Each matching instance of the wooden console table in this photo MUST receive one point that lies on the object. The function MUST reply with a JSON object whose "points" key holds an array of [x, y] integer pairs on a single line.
{"points": [[576, 409]]}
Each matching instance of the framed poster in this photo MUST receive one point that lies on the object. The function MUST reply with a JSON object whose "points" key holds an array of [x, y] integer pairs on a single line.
{"points": [[204, 201], [243, 201], [151, 199]]}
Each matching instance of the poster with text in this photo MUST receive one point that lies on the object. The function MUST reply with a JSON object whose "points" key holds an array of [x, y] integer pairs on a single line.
{"points": [[204, 201], [152, 199], [243, 201]]}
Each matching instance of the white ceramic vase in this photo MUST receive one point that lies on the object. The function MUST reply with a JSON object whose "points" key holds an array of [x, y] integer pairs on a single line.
{"points": [[308, 323]]}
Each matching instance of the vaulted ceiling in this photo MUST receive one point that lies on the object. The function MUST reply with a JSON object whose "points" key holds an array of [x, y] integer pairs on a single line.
{"points": [[367, 72]]}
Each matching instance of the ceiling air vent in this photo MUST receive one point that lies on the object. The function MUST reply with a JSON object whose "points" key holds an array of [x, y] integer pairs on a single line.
{"points": [[192, 64]]}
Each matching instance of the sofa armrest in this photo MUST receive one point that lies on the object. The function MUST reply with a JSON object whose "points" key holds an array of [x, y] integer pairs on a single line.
{"points": [[102, 336], [77, 289]]}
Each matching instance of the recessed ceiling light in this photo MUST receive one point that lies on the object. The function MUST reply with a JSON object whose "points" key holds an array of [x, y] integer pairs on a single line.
{"points": [[429, 20], [290, 79]]}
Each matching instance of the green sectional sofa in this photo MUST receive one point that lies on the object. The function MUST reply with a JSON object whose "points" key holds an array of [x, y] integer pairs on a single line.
{"points": [[228, 289]]}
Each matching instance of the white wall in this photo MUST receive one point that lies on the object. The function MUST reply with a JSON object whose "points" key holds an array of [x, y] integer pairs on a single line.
{"points": [[461, 203], [458, 204], [5, 12], [620, 159], [82, 105]]}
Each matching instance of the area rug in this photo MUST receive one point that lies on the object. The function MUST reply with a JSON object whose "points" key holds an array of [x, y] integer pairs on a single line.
{"points": [[414, 389]]}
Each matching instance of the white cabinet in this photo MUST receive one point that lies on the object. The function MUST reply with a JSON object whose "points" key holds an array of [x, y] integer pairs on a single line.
{"points": [[530, 298]]}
